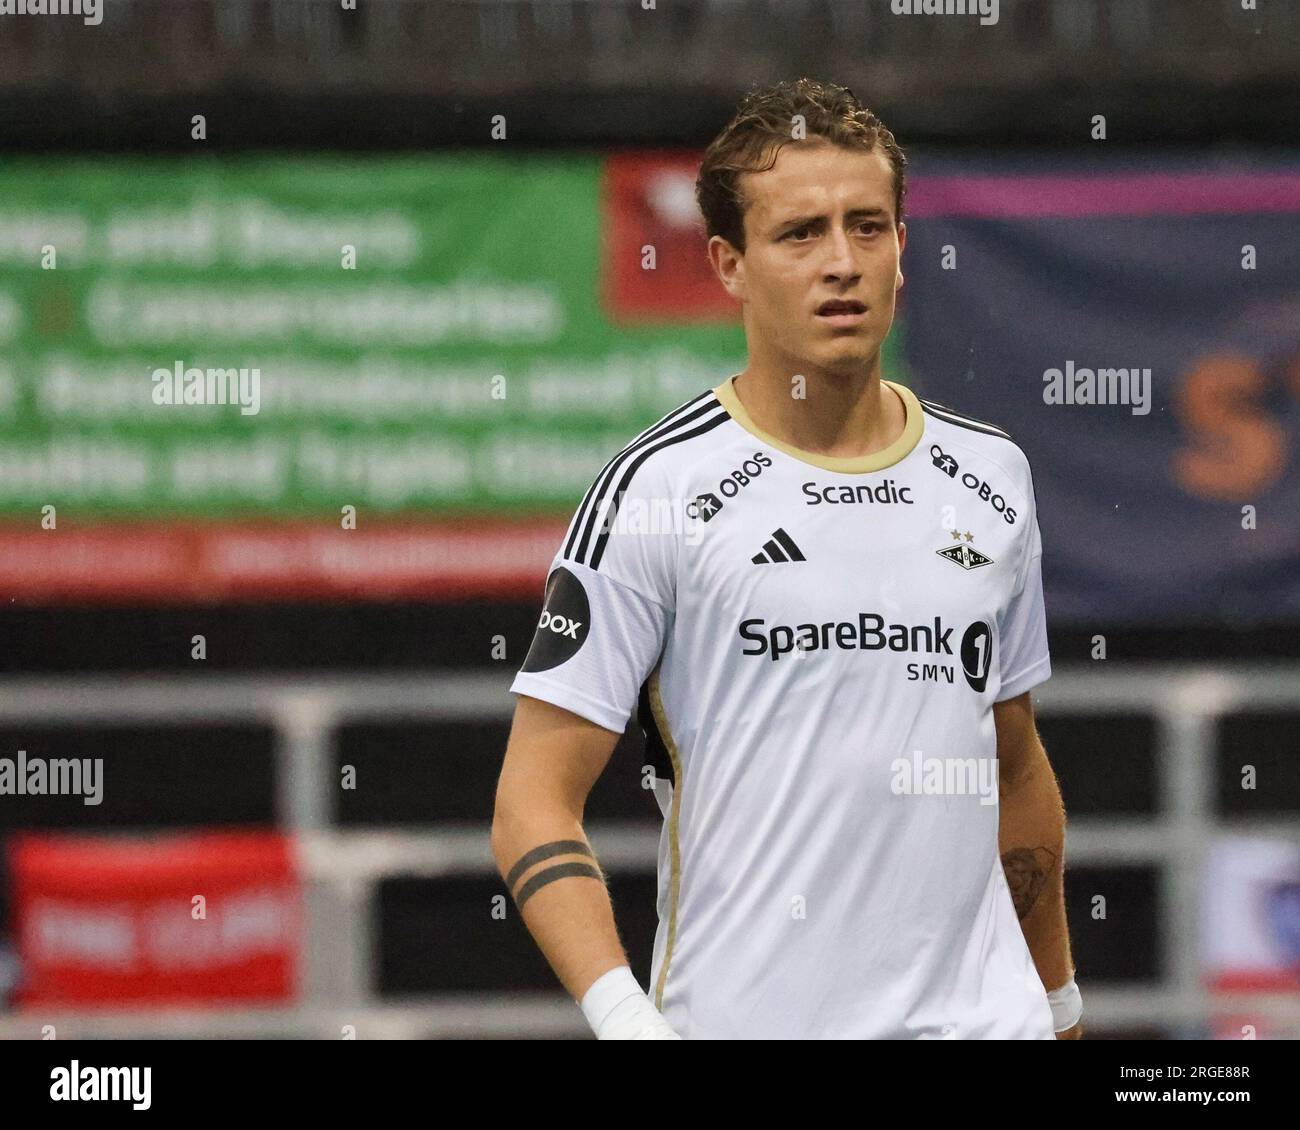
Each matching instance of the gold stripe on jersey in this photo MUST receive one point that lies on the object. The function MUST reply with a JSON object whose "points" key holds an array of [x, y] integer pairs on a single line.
{"points": [[674, 842], [856, 464]]}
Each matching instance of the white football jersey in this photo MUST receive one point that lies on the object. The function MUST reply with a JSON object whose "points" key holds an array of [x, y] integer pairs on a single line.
{"points": [[814, 646]]}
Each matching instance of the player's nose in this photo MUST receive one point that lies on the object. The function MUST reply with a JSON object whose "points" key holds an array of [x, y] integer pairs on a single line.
{"points": [[839, 262]]}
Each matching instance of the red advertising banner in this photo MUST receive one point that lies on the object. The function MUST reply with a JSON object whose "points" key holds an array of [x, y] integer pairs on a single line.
{"points": [[1250, 940], [208, 918], [279, 560], [648, 208]]}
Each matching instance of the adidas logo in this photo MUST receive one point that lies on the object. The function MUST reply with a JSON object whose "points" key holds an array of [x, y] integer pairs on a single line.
{"points": [[780, 547]]}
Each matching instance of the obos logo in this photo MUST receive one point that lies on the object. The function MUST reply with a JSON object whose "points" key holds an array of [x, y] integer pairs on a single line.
{"points": [[562, 629], [706, 506], [945, 462], [948, 465], [703, 507]]}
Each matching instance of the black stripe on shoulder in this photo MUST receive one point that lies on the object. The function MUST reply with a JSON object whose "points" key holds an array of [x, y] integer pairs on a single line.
{"points": [[660, 427], [616, 496], [943, 412]]}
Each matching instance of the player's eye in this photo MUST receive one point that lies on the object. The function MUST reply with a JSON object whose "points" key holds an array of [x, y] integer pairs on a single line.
{"points": [[871, 226]]}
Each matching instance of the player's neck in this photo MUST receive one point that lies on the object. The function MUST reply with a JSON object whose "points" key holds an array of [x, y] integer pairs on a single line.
{"points": [[838, 416]]}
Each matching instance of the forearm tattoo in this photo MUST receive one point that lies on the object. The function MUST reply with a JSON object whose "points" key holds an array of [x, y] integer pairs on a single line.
{"points": [[1026, 870], [550, 874]]}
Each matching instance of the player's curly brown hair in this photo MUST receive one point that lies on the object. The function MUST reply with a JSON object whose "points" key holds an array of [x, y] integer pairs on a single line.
{"points": [[750, 142]]}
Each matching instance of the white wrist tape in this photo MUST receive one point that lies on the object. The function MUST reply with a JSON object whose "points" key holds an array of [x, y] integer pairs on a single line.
{"points": [[1067, 1006], [617, 1009]]}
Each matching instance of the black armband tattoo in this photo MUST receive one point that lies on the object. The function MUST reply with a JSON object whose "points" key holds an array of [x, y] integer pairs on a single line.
{"points": [[550, 874], [546, 851]]}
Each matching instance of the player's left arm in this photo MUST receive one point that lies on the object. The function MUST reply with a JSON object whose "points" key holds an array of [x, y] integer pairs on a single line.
{"points": [[1031, 841]]}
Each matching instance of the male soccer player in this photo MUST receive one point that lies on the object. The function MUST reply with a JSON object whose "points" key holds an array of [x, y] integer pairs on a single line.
{"points": [[830, 655]]}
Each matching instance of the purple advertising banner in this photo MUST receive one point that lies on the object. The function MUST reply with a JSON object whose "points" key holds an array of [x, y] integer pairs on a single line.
{"points": [[1138, 334]]}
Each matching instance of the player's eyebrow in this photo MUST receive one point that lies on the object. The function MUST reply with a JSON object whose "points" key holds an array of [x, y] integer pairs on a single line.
{"points": [[802, 221]]}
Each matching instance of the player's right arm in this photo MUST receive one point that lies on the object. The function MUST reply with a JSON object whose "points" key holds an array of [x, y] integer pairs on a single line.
{"points": [[607, 612], [553, 759]]}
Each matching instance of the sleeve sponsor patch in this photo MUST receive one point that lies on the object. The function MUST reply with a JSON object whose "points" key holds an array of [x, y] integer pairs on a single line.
{"points": [[564, 623]]}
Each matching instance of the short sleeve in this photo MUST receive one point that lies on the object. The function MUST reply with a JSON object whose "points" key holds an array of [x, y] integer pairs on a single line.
{"points": [[1024, 659], [609, 602]]}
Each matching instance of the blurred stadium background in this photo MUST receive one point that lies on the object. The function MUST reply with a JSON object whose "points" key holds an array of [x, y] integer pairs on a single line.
{"points": [[303, 723]]}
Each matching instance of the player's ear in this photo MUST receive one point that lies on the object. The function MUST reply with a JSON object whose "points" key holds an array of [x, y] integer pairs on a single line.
{"points": [[902, 242], [729, 266]]}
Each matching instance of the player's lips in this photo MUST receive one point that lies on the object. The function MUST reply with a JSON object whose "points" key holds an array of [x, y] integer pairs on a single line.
{"points": [[842, 312]]}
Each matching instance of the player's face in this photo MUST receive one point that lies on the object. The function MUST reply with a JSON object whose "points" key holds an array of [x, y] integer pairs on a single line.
{"points": [[820, 227]]}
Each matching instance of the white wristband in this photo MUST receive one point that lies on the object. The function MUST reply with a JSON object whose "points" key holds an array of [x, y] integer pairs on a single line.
{"points": [[1067, 1006], [617, 1009]]}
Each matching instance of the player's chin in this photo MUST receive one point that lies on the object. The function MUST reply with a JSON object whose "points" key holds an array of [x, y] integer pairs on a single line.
{"points": [[850, 348]]}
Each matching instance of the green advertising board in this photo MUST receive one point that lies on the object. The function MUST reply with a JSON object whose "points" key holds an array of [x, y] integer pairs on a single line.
{"points": [[426, 331], [190, 345]]}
